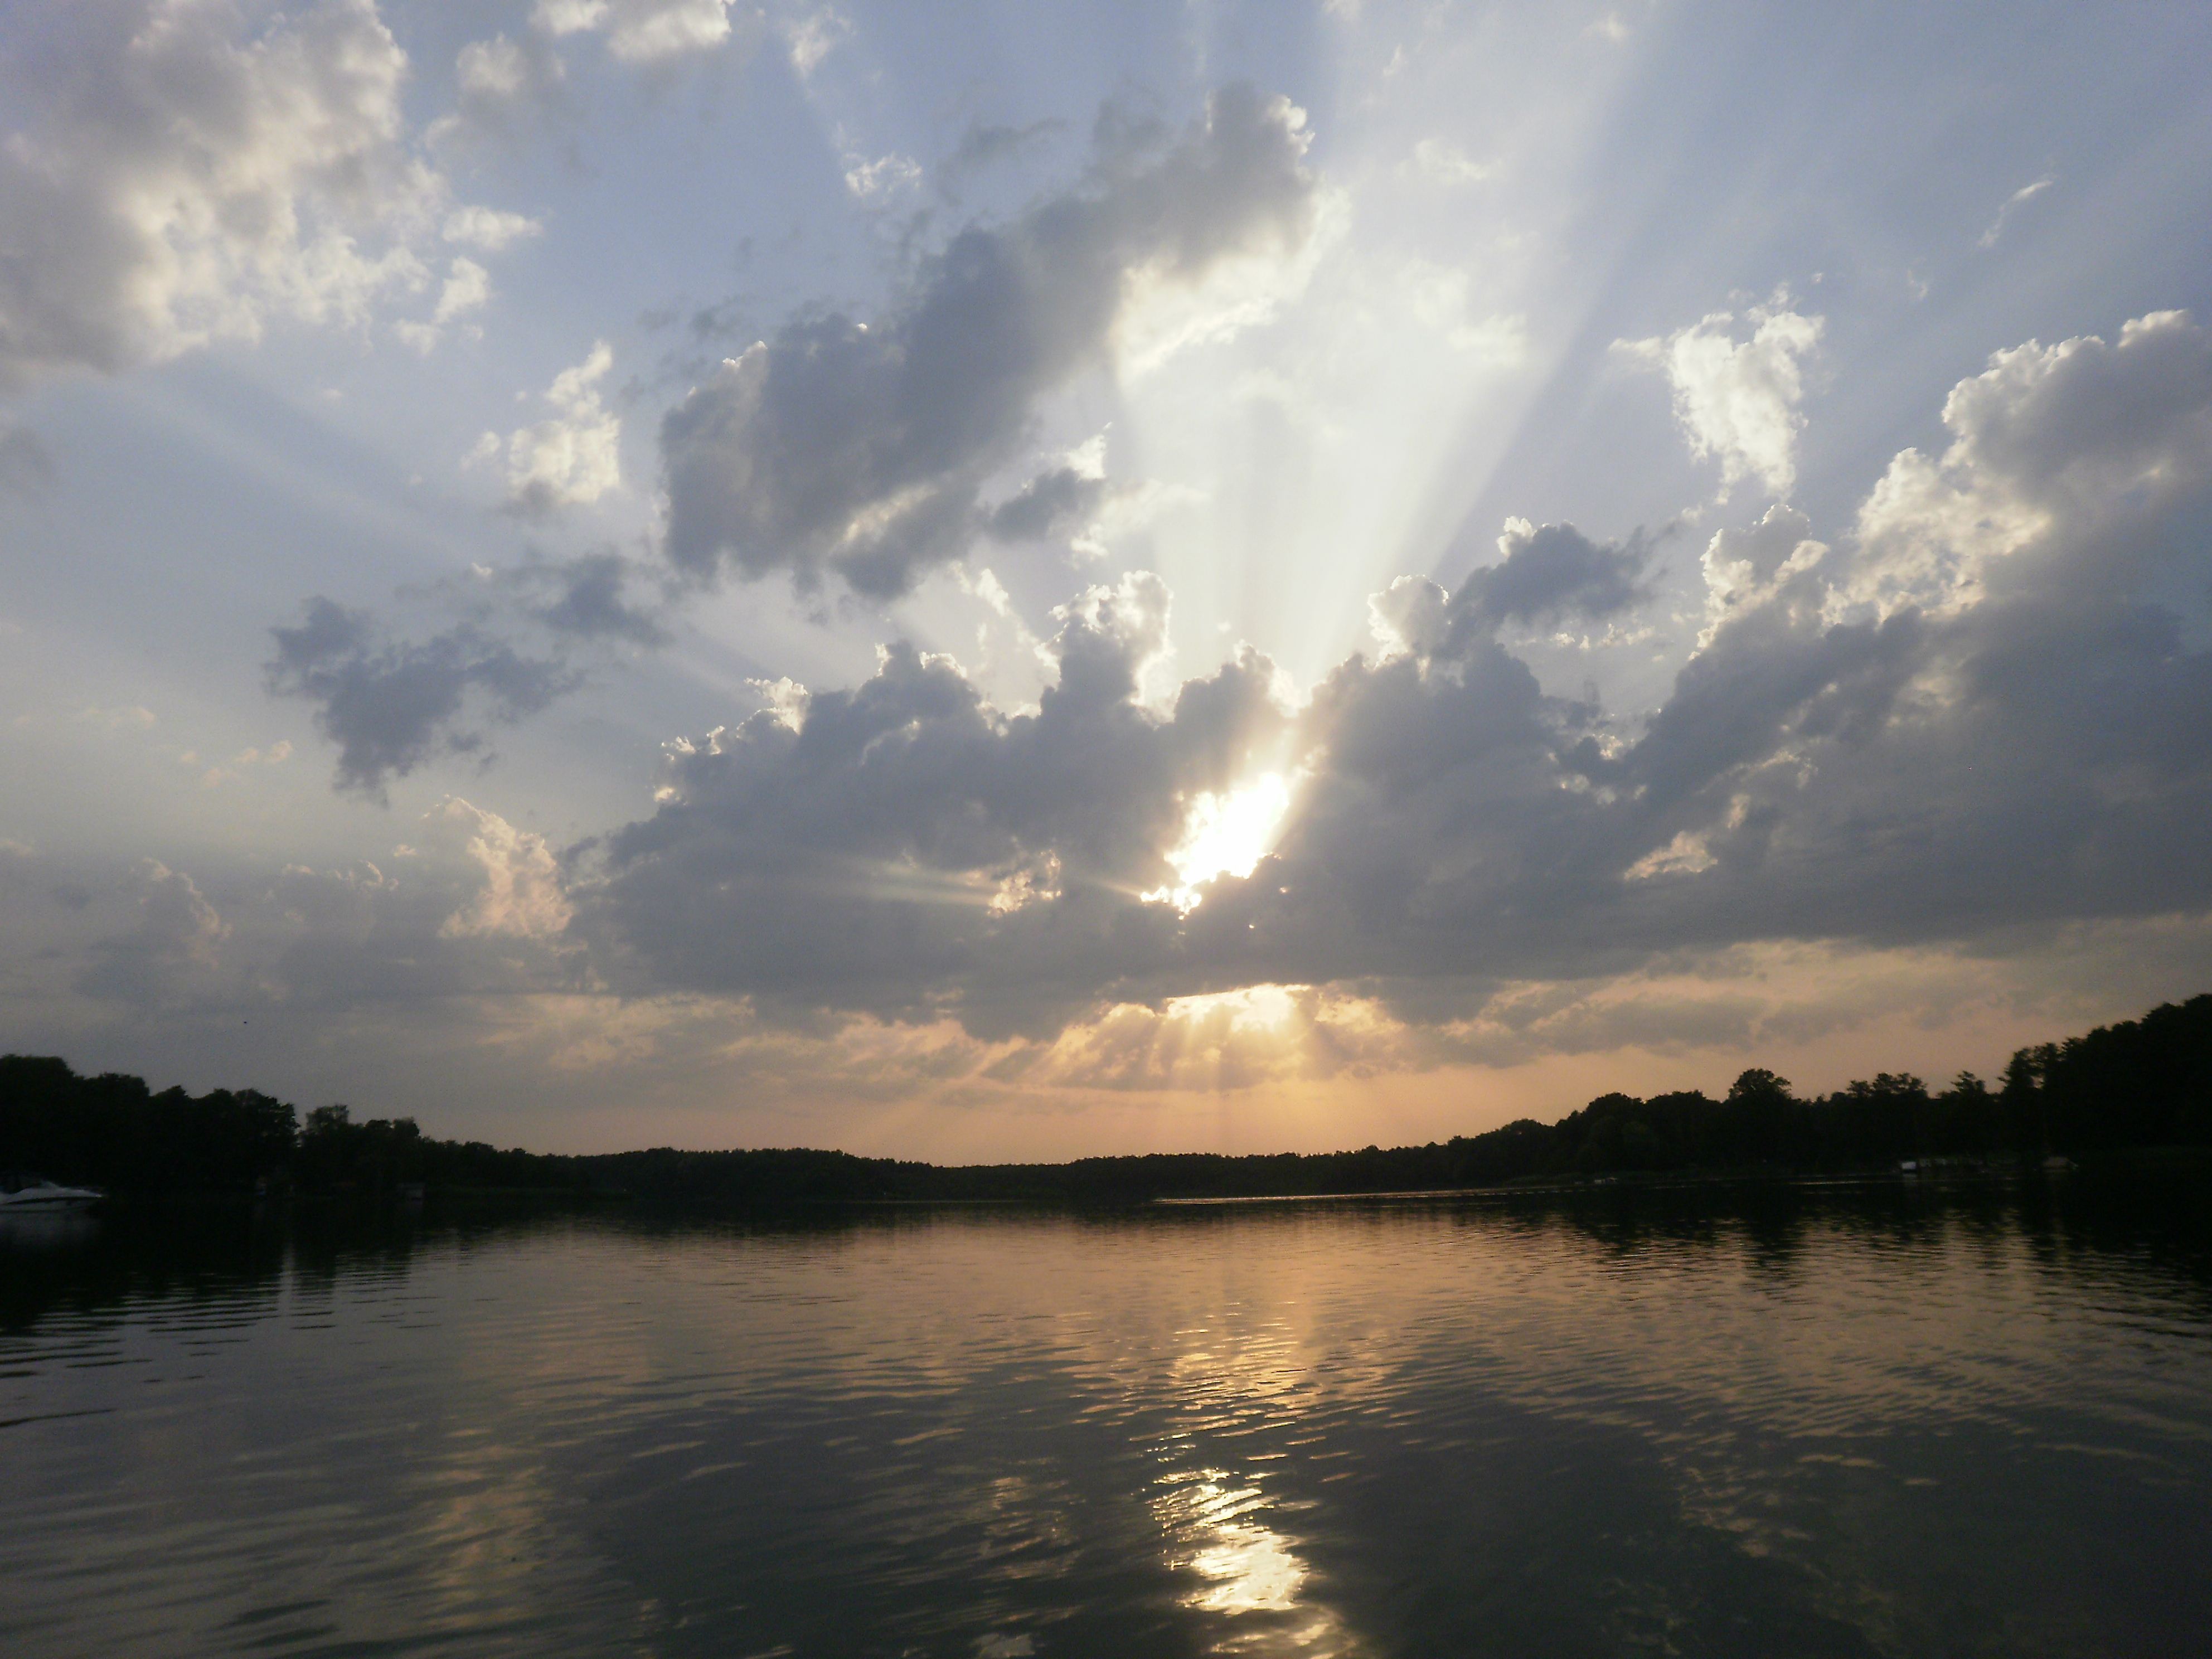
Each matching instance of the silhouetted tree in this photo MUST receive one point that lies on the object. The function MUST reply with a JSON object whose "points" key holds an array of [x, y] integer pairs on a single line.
{"points": [[2142, 1082]]}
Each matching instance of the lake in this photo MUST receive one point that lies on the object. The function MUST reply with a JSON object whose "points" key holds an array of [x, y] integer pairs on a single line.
{"points": [[1782, 1420]]}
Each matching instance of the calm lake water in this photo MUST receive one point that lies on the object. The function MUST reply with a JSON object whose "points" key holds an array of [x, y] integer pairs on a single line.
{"points": [[1791, 1422]]}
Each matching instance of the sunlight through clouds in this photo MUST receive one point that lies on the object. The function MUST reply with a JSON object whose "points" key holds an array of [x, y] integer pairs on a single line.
{"points": [[1225, 834], [889, 563]]}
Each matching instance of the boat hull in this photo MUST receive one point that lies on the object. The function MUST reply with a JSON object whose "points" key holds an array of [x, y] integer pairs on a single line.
{"points": [[56, 1198]]}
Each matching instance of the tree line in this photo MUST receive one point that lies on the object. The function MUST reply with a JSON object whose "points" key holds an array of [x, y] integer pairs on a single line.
{"points": [[2142, 1083], [114, 1133]]}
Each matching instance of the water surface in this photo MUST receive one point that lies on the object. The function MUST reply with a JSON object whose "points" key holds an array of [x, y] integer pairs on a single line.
{"points": [[1793, 1422]]}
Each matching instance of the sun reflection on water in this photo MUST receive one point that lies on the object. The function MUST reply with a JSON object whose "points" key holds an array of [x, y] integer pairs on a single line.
{"points": [[1244, 1569], [1237, 1565]]}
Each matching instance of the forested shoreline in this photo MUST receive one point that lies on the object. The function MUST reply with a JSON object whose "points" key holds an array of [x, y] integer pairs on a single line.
{"points": [[2141, 1083]]}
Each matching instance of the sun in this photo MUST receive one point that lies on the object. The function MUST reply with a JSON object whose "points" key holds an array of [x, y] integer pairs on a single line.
{"points": [[1225, 834]]}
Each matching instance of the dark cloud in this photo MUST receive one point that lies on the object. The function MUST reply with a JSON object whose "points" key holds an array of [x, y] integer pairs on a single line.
{"points": [[1552, 573], [1049, 503], [524, 636], [175, 938], [1544, 575], [888, 851], [1987, 710], [392, 705], [588, 600], [26, 469], [987, 145], [858, 449]]}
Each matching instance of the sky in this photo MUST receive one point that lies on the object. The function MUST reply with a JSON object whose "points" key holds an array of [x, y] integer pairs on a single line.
{"points": [[1001, 582]]}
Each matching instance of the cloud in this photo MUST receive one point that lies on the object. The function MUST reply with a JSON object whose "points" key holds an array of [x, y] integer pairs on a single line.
{"points": [[488, 228], [391, 706], [811, 33], [575, 457], [174, 940], [504, 88], [1051, 503], [1556, 571], [521, 896], [276, 755], [2018, 199], [585, 598], [985, 145], [512, 641], [640, 31], [2049, 445], [1062, 498], [858, 450], [468, 285], [1443, 162], [1544, 575], [1736, 401], [467, 288], [470, 907], [1742, 566], [907, 837], [1901, 740], [191, 182], [26, 469], [881, 179]]}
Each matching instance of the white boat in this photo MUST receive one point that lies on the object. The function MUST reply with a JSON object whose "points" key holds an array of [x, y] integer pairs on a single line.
{"points": [[20, 1191]]}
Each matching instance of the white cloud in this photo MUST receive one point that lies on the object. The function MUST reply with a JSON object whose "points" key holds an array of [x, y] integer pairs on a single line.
{"points": [[1445, 163], [881, 179], [640, 31], [1684, 855], [198, 182], [1747, 566], [488, 228], [2048, 438], [1409, 618], [568, 16], [1441, 297], [496, 68], [468, 285], [1169, 311], [505, 86], [1736, 401], [573, 458], [521, 895], [812, 36], [2020, 198]]}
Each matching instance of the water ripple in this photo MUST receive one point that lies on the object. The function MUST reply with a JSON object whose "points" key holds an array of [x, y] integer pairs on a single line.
{"points": [[1408, 1428]]}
